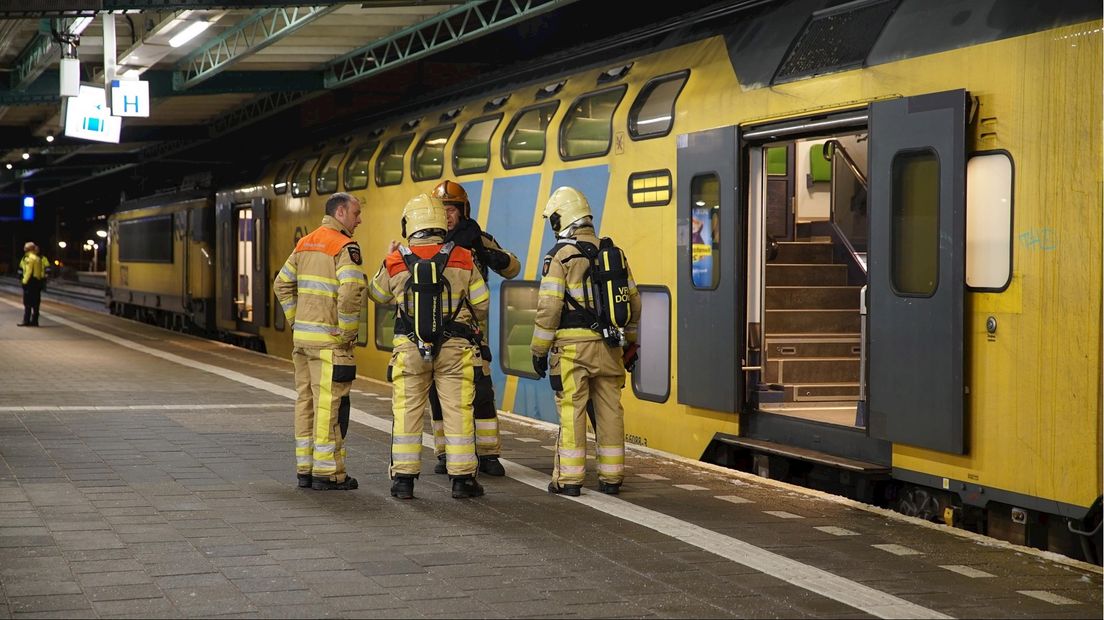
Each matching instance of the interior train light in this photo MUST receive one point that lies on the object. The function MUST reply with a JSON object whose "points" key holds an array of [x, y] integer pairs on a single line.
{"points": [[62, 244], [26, 155], [102, 234], [8, 165]]}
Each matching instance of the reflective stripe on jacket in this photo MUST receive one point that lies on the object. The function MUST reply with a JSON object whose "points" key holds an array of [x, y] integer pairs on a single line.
{"points": [[565, 271], [389, 284], [321, 287]]}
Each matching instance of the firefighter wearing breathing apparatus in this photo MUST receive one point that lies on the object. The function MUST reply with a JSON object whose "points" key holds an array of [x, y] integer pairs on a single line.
{"points": [[489, 256], [584, 339], [441, 300]]}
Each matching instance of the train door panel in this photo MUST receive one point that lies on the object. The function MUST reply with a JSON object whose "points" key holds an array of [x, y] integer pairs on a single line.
{"points": [[225, 240], [710, 273], [916, 262], [259, 263]]}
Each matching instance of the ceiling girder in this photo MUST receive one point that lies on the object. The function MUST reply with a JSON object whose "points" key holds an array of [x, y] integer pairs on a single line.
{"points": [[250, 35], [71, 8], [452, 27]]}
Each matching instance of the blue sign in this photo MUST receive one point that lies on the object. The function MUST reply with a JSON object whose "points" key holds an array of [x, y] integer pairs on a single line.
{"points": [[28, 208]]}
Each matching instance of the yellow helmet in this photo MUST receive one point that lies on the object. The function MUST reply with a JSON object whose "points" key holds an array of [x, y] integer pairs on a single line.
{"points": [[423, 212], [565, 206]]}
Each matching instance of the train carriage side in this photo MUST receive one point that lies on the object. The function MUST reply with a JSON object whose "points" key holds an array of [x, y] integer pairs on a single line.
{"points": [[1024, 428], [161, 261]]}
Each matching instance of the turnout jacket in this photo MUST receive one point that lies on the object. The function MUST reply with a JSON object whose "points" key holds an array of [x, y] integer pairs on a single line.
{"points": [[565, 271], [389, 284], [33, 266], [321, 287]]}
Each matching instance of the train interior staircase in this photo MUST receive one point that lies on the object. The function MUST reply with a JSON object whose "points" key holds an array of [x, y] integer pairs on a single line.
{"points": [[812, 335]]}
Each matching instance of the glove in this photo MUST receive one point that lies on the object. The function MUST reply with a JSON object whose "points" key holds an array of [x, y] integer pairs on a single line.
{"points": [[466, 234], [494, 259], [540, 364], [631, 356]]}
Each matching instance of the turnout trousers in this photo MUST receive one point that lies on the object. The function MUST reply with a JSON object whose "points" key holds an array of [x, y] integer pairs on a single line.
{"points": [[323, 378], [487, 442], [581, 372], [32, 299], [452, 372]]}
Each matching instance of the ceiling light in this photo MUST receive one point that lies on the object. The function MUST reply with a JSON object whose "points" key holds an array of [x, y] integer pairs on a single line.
{"points": [[78, 25], [62, 244], [26, 155], [102, 234], [189, 33], [49, 137], [8, 165]]}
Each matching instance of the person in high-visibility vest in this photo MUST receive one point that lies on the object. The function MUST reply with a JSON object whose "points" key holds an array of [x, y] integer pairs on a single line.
{"points": [[33, 268]]}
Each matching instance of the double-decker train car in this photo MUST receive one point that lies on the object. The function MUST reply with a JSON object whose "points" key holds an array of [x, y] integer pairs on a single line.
{"points": [[161, 261], [867, 239]]}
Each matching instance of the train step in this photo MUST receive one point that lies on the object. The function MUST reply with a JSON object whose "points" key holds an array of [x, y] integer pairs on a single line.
{"points": [[761, 446], [804, 252], [812, 345], [813, 297], [795, 371], [812, 321], [799, 274]]}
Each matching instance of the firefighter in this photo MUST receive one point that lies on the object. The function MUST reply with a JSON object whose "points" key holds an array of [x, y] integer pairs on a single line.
{"points": [[33, 269], [488, 255], [321, 289], [581, 348], [437, 342]]}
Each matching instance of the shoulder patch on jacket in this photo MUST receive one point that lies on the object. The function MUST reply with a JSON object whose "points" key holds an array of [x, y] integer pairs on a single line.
{"points": [[354, 253], [547, 264]]}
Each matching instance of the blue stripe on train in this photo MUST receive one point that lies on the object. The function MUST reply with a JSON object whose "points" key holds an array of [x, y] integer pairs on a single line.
{"points": [[475, 195], [510, 220], [534, 398]]}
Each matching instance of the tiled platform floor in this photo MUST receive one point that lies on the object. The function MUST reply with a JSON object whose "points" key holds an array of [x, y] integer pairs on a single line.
{"points": [[145, 473]]}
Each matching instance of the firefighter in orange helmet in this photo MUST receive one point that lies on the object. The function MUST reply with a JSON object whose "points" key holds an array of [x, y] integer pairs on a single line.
{"points": [[489, 256]]}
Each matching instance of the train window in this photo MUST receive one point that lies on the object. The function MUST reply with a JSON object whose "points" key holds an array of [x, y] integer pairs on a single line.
{"points": [[587, 129], [652, 115], [518, 316], [651, 380], [389, 164], [523, 143], [914, 241], [146, 240], [279, 182], [356, 170], [385, 327], [650, 189], [326, 183], [472, 152], [301, 178], [705, 231], [428, 161], [989, 183]]}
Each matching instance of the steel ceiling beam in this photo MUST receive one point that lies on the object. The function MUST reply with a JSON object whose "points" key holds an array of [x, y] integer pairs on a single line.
{"points": [[73, 8], [473, 19], [33, 60], [248, 36]]}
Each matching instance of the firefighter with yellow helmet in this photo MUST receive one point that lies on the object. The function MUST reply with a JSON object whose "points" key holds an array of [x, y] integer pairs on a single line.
{"points": [[489, 256], [441, 301], [321, 289], [588, 312]]}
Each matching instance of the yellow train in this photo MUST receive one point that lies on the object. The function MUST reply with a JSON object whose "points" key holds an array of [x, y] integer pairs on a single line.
{"points": [[868, 243]]}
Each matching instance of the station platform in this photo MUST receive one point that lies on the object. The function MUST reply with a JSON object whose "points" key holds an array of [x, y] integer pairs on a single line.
{"points": [[144, 473]]}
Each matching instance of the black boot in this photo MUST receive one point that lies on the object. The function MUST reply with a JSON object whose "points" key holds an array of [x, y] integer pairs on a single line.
{"points": [[466, 486], [325, 484], [609, 488], [570, 490], [402, 486], [441, 467], [304, 480], [491, 466]]}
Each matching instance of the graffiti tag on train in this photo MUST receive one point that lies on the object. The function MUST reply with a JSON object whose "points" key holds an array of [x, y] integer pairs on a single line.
{"points": [[1045, 239]]}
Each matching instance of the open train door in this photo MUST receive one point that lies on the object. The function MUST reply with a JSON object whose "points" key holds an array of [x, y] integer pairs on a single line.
{"points": [[224, 249], [259, 265], [917, 262], [711, 274]]}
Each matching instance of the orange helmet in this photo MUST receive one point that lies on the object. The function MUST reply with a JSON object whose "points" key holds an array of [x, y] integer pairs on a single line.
{"points": [[452, 193]]}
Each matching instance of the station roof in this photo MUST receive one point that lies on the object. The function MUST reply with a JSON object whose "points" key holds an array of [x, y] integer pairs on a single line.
{"points": [[259, 65]]}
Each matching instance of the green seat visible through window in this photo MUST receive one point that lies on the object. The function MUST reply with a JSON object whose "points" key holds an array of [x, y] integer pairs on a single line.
{"points": [[776, 160], [820, 169]]}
